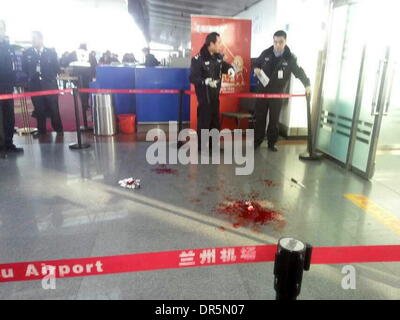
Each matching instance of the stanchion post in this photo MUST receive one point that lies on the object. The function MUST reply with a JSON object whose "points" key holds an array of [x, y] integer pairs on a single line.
{"points": [[180, 115], [291, 259], [79, 145], [310, 154], [85, 126], [3, 153]]}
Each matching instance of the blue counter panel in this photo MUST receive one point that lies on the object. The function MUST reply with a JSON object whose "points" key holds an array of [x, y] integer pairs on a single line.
{"points": [[114, 77], [161, 107], [148, 108]]}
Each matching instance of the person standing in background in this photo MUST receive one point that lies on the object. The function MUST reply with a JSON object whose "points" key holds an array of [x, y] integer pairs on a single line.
{"points": [[42, 67], [150, 59], [105, 58], [81, 67], [7, 83], [93, 64]]}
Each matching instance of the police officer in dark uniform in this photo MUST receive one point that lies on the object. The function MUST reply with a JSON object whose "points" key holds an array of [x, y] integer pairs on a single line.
{"points": [[278, 63], [7, 82], [42, 67], [206, 74]]}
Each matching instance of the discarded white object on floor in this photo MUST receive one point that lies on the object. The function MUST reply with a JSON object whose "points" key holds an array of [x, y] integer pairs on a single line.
{"points": [[249, 205], [130, 183]]}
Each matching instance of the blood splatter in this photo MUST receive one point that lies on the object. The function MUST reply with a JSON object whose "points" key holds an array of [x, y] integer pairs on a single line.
{"points": [[250, 213], [212, 189], [195, 200], [270, 183], [222, 228], [164, 170]]}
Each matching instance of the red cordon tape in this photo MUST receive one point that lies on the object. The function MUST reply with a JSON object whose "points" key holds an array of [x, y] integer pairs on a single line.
{"points": [[256, 95], [146, 91], [33, 94], [188, 92], [95, 266], [131, 91]]}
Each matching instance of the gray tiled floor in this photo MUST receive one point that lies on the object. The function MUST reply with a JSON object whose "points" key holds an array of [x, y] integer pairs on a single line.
{"points": [[57, 204]]}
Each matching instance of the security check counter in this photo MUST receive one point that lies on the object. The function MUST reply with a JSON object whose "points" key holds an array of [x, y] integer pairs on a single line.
{"points": [[150, 109]]}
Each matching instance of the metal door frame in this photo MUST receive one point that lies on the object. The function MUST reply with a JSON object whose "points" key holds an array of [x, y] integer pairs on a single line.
{"points": [[379, 113], [358, 102]]}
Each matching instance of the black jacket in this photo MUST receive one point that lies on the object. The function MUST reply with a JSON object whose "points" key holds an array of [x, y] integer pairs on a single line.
{"points": [[7, 72], [49, 69], [271, 65], [204, 66], [151, 61]]}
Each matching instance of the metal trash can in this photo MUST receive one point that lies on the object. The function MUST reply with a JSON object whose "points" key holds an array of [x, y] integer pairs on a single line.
{"points": [[104, 120]]}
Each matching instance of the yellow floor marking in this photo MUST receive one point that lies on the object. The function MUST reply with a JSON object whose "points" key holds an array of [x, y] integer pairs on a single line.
{"points": [[384, 216]]}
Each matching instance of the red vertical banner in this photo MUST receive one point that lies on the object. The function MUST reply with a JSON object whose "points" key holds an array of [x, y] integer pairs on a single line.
{"points": [[236, 39]]}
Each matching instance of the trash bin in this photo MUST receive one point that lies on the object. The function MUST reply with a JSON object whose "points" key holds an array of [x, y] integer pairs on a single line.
{"points": [[104, 120]]}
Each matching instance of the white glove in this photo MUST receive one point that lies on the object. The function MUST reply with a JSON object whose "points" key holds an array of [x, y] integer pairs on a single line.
{"points": [[231, 73], [210, 82], [257, 71], [213, 84]]}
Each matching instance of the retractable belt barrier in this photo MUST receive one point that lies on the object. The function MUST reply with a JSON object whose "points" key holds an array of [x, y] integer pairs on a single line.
{"points": [[17, 96], [188, 92], [95, 266], [309, 155], [145, 91], [75, 92]]}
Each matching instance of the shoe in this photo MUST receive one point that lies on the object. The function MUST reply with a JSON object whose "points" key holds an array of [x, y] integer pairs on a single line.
{"points": [[272, 148], [3, 154], [257, 145], [12, 148]]}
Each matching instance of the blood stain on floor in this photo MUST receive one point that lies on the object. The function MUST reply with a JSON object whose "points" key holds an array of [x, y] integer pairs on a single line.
{"points": [[270, 183], [212, 189], [251, 213], [165, 170]]}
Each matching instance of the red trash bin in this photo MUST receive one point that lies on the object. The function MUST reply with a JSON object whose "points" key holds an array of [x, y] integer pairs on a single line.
{"points": [[127, 123]]}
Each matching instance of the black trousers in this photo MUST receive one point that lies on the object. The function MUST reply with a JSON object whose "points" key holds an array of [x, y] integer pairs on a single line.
{"points": [[264, 107], [208, 113], [47, 106], [7, 119]]}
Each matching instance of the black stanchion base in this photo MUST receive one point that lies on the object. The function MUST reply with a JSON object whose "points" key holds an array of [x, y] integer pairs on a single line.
{"points": [[306, 156], [86, 129], [76, 146]]}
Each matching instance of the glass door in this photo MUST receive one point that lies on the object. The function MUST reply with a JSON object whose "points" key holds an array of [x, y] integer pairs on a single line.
{"points": [[341, 78], [372, 96], [358, 87], [387, 159], [389, 139]]}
